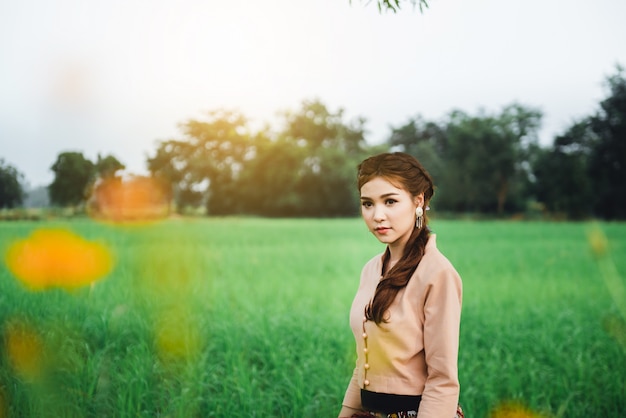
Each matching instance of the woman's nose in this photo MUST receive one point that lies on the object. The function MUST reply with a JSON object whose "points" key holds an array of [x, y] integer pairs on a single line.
{"points": [[379, 213]]}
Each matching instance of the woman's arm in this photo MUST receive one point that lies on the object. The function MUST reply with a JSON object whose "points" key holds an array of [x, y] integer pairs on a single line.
{"points": [[442, 317], [352, 399]]}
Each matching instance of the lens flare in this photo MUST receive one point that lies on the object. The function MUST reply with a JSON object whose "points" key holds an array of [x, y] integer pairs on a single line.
{"points": [[24, 349], [135, 199], [57, 258]]}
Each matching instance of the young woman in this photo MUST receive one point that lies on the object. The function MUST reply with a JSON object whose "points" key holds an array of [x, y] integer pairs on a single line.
{"points": [[406, 313]]}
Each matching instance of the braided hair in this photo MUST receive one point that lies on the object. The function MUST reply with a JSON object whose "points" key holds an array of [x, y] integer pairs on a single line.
{"points": [[403, 171]]}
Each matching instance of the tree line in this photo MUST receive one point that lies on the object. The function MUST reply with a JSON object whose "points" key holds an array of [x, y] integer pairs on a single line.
{"points": [[488, 163]]}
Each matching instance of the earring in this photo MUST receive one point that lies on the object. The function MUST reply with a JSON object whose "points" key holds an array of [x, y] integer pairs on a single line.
{"points": [[419, 213]]}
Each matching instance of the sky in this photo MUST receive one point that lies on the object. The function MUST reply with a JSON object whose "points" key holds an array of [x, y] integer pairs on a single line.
{"points": [[115, 77]]}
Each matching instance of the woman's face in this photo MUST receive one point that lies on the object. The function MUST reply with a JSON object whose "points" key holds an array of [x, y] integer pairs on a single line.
{"points": [[388, 211]]}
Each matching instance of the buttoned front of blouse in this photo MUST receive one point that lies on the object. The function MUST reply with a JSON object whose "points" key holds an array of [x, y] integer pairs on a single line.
{"points": [[415, 351]]}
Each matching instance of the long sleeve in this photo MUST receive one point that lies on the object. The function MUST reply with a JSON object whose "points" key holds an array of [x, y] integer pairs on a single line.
{"points": [[442, 315], [415, 352], [352, 398]]}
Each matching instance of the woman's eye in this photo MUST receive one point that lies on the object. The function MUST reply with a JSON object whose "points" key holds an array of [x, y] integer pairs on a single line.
{"points": [[390, 201], [367, 204]]}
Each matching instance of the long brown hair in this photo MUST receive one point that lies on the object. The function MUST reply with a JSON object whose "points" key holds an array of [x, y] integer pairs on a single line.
{"points": [[403, 171]]}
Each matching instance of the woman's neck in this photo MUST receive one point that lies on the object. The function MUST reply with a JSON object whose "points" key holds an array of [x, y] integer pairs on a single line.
{"points": [[395, 254]]}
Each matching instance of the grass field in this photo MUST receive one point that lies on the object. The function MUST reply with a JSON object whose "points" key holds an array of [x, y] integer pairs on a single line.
{"points": [[249, 318]]}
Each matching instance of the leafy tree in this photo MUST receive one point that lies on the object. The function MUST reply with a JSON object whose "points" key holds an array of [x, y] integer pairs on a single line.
{"points": [[425, 140], [269, 182], [73, 173], [298, 171], [314, 126], [332, 149], [607, 162], [108, 166], [11, 190], [394, 5], [562, 182], [486, 159], [163, 165], [204, 165]]}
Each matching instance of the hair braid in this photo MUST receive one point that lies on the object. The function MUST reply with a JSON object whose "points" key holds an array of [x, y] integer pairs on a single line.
{"points": [[406, 172]]}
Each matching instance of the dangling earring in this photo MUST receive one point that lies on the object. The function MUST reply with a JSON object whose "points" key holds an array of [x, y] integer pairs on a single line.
{"points": [[419, 213]]}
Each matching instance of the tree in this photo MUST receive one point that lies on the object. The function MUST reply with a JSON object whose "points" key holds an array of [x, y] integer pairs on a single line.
{"points": [[486, 159], [298, 171], [607, 162], [108, 166], [73, 173], [205, 164], [425, 140], [332, 149], [394, 5], [562, 182], [269, 182], [11, 190]]}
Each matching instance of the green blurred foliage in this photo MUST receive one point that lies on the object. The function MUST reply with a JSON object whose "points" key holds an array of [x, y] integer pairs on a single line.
{"points": [[74, 175], [11, 190], [304, 169]]}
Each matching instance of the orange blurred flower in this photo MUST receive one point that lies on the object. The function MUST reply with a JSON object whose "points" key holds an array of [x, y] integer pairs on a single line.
{"points": [[57, 258], [24, 349], [135, 199]]}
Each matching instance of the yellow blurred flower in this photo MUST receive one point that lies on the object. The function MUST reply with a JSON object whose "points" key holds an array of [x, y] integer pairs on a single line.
{"points": [[24, 348], [513, 410], [57, 258], [598, 242], [135, 199], [176, 335]]}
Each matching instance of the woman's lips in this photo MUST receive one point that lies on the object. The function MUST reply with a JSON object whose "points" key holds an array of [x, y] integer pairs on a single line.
{"points": [[382, 230]]}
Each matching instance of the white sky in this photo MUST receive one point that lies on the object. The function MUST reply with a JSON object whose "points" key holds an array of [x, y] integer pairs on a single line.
{"points": [[115, 76]]}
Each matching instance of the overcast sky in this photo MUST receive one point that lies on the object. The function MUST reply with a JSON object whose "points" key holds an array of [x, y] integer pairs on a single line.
{"points": [[115, 76]]}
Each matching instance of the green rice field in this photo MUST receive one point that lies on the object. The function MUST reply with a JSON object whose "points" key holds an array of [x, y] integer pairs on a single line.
{"points": [[246, 317]]}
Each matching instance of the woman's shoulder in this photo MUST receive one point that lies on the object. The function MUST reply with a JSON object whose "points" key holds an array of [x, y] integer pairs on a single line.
{"points": [[372, 267], [373, 263], [434, 262]]}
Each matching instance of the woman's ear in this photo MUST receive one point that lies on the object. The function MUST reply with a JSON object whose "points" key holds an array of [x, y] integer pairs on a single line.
{"points": [[419, 200]]}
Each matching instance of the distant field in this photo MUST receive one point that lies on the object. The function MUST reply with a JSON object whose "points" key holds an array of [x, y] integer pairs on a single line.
{"points": [[249, 318]]}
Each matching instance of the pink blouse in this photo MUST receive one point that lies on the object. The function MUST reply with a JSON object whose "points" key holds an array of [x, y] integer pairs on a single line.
{"points": [[415, 352]]}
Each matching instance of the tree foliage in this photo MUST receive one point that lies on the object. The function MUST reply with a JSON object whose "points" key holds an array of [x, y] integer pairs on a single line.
{"points": [[582, 173], [477, 161], [395, 5], [108, 166], [203, 166], [297, 171], [607, 162], [11, 190], [72, 174], [561, 181]]}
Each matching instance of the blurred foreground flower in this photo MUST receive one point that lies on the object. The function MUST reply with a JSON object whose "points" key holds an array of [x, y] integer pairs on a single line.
{"points": [[57, 258], [24, 349], [177, 335], [513, 410], [613, 324], [128, 200]]}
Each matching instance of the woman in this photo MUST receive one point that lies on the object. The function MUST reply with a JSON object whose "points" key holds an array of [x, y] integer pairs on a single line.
{"points": [[406, 313]]}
